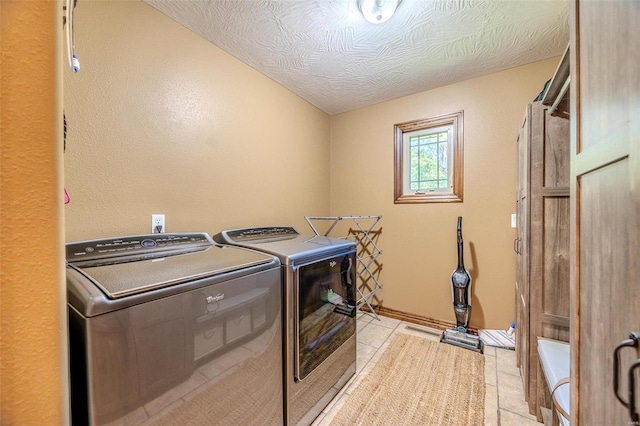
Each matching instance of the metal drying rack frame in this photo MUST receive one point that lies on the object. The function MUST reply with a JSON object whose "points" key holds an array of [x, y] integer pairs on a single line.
{"points": [[367, 253]]}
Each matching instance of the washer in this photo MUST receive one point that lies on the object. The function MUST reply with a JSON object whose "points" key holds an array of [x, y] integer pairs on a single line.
{"points": [[173, 329], [319, 275]]}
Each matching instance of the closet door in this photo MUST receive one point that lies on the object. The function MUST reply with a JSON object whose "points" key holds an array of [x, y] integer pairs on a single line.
{"points": [[605, 203], [521, 247]]}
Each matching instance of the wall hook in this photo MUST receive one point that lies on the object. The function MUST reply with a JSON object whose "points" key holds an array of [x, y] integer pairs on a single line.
{"points": [[67, 20]]}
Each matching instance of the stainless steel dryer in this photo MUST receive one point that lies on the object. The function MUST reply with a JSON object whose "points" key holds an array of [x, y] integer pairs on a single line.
{"points": [[319, 276], [173, 329]]}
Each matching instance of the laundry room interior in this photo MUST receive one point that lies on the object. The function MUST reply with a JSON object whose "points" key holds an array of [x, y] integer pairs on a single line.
{"points": [[160, 120], [173, 140]]}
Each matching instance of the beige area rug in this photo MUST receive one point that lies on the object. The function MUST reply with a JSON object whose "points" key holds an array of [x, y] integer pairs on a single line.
{"points": [[418, 382]]}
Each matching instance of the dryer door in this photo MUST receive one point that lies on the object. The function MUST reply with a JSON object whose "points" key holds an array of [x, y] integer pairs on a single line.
{"points": [[325, 312]]}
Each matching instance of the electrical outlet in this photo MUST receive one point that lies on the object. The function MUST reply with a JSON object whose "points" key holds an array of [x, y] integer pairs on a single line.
{"points": [[157, 224]]}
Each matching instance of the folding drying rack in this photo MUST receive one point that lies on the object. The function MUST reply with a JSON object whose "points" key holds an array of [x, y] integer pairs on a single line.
{"points": [[367, 252]]}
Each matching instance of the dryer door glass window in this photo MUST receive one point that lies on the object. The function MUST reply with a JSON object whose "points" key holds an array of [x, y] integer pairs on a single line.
{"points": [[326, 310]]}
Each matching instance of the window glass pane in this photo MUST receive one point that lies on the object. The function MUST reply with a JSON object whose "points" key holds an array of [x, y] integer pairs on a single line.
{"points": [[442, 164], [428, 162], [415, 162]]}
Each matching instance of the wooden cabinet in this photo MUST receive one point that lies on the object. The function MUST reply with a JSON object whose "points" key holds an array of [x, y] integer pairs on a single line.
{"points": [[542, 242], [605, 205]]}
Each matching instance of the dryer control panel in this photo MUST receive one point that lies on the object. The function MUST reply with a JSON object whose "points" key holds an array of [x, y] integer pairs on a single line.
{"points": [[271, 233]]}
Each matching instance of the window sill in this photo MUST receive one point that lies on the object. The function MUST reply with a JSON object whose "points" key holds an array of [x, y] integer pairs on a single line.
{"points": [[428, 198]]}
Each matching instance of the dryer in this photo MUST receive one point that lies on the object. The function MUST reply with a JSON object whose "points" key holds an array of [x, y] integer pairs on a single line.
{"points": [[173, 329], [319, 278]]}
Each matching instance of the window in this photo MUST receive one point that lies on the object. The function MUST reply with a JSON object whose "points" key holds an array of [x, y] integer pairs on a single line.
{"points": [[428, 160]]}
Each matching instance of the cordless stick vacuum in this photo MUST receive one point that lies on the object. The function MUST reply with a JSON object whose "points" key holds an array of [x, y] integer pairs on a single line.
{"points": [[461, 294]]}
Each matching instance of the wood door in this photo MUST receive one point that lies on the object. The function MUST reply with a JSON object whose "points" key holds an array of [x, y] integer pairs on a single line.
{"points": [[605, 201], [548, 240], [522, 249], [552, 236]]}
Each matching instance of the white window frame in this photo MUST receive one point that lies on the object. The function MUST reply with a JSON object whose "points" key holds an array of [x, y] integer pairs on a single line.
{"points": [[453, 123], [406, 148]]}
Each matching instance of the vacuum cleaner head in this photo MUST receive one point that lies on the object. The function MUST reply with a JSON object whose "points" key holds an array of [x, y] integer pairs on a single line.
{"points": [[462, 339]]}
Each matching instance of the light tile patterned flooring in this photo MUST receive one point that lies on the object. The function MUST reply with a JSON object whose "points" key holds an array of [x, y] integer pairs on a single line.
{"points": [[504, 398]]}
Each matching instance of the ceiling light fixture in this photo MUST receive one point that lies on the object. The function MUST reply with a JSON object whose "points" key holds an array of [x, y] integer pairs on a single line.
{"points": [[378, 11]]}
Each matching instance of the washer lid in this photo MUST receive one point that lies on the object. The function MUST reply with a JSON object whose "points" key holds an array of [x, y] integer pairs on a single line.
{"points": [[128, 276]]}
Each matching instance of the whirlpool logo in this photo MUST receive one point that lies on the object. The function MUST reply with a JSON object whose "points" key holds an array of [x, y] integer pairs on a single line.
{"points": [[214, 299]]}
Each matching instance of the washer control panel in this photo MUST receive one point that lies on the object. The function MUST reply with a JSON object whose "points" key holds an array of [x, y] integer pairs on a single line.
{"points": [[124, 246]]}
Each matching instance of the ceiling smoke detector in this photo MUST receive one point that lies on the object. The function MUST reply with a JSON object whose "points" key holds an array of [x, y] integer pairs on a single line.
{"points": [[378, 11]]}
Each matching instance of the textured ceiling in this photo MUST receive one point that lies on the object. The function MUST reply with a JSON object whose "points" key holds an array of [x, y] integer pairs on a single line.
{"points": [[325, 52]]}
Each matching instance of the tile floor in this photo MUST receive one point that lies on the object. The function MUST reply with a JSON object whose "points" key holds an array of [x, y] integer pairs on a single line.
{"points": [[504, 398]]}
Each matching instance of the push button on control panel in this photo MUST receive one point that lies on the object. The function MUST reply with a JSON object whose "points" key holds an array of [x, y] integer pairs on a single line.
{"points": [[148, 243]]}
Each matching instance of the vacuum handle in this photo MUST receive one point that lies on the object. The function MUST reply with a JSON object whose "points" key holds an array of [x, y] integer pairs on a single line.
{"points": [[460, 244]]}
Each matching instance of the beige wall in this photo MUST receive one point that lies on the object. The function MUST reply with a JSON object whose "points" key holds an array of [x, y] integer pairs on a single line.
{"points": [[419, 241], [33, 366], [162, 121]]}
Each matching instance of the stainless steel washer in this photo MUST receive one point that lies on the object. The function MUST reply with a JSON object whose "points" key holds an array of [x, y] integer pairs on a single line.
{"points": [[173, 329], [319, 276]]}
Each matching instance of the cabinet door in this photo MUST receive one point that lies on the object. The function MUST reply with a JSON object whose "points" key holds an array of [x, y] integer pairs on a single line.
{"points": [[522, 249], [605, 206]]}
